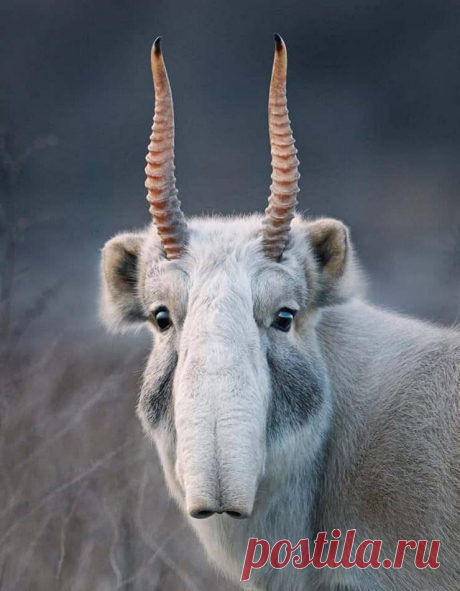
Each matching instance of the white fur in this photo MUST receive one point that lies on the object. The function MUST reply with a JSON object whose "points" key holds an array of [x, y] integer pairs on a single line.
{"points": [[381, 454]]}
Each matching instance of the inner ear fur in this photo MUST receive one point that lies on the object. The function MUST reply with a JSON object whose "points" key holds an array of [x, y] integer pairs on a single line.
{"points": [[329, 242], [121, 305], [337, 273]]}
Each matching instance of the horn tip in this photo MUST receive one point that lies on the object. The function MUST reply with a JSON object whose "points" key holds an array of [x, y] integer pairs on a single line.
{"points": [[156, 47], [279, 43]]}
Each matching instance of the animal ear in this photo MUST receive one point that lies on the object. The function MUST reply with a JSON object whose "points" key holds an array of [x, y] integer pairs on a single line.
{"points": [[121, 306], [330, 244], [329, 241]]}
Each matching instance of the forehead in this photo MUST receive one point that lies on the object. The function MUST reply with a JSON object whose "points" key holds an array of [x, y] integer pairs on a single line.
{"points": [[225, 262]]}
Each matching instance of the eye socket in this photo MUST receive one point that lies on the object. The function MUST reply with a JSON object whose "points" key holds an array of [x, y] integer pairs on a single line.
{"points": [[162, 318], [284, 319]]}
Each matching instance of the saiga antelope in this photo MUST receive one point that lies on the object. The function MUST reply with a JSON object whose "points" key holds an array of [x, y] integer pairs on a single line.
{"points": [[281, 402]]}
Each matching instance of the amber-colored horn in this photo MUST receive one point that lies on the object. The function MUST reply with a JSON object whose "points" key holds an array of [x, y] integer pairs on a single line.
{"points": [[161, 182], [285, 172]]}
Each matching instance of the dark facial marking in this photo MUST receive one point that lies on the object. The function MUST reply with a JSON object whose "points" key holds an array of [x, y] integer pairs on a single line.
{"points": [[298, 384], [156, 395]]}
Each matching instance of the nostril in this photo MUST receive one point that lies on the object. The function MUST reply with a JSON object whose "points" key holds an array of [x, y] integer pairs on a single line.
{"points": [[237, 514], [201, 513]]}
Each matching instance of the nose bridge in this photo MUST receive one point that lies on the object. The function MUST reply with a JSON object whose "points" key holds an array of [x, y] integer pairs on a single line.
{"points": [[219, 331], [220, 318], [220, 412], [220, 355], [218, 390]]}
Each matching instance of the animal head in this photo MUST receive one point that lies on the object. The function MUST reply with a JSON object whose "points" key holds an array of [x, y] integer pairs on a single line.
{"points": [[235, 370]]}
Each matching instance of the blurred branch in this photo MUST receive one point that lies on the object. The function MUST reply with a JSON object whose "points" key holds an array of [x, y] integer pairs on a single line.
{"points": [[76, 415], [158, 552], [27, 556], [37, 309], [64, 529], [61, 488], [158, 549]]}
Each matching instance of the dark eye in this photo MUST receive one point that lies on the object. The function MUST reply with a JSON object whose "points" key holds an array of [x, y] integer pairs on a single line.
{"points": [[283, 320], [162, 319]]}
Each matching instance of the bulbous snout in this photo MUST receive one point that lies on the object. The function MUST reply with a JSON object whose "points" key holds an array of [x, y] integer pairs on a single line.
{"points": [[211, 493], [219, 467], [220, 488], [220, 411]]}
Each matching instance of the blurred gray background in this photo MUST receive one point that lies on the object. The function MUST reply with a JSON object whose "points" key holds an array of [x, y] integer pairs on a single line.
{"points": [[374, 97]]}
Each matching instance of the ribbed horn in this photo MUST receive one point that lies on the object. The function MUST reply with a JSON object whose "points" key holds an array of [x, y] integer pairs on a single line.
{"points": [[161, 182], [285, 173]]}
